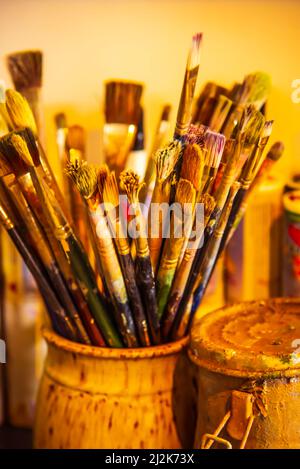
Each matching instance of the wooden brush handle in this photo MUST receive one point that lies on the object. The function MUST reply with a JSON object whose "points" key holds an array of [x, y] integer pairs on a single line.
{"points": [[85, 275], [58, 316]]}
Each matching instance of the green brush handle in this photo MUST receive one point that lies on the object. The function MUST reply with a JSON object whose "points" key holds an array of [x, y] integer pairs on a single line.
{"points": [[84, 273], [163, 290]]}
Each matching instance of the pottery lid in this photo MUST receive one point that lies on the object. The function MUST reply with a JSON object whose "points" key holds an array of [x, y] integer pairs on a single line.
{"points": [[251, 338]]}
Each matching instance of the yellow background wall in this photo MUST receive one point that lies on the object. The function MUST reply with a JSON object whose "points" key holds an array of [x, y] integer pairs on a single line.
{"points": [[88, 41]]}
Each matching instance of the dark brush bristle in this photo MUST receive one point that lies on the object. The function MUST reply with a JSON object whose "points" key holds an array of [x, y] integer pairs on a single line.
{"points": [[276, 151], [30, 140], [76, 138], [166, 112], [60, 120], [8, 150], [25, 68], [122, 102]]}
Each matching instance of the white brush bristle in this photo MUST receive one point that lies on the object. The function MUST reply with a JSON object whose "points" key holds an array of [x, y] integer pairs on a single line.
{"points": [[214, 144], [194, 56]]}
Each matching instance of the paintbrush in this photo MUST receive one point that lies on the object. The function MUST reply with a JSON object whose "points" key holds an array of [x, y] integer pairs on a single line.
{"points": [[250, 126], [158, 140], [220, 197], [221, 111], [122, 107], [64, 283], [231, 171], [246, 178], [74, 151], [184, 268], [26, 69], [129, 182], [182, 323], [165, 161], [184, 113], [255, 89], [192, 170], [14, 163], [232, 120], [273, 155], [46, 257], [195, 134], [61, 323], [214, 144], [86, 180], [75, 147], [108, 186], [185, 201], [42, 199], [210, 91], [22, 117]]}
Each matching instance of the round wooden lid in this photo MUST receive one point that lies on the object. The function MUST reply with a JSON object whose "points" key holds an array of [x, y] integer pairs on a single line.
{"points": [[251, 338]]}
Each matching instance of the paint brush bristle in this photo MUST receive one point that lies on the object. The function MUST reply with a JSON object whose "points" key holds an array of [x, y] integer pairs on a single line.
{"points": [[110, 189], [276, 151], [84, 176], [196, 134], [22, 149], [209, 203], [166, 158], [214, 144], [192, 165], [102, 175], [130, 183], [19, 111], [73, 167], [185, 192], [267, 129], [12, 155], [60, 120], [261, 86], [25, 68], [255, 89], [194, 56], [251, 125], [76, 138], [122, 102]]}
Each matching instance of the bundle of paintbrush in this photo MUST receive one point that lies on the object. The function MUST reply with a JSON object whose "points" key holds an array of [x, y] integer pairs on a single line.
{"points": [[154, 268]]}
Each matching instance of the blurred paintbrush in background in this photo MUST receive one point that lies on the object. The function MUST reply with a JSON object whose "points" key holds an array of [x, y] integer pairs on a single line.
{"points": [[26, 70], [122, 110]]}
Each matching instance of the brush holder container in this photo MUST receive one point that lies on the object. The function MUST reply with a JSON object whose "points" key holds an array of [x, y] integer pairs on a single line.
{"points": [[248, 358], [92, 397]]}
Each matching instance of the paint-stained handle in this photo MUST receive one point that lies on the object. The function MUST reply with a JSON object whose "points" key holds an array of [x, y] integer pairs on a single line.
{"points": [[84, 274]]}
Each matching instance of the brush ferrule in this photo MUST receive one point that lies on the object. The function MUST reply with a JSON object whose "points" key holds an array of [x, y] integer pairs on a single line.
{"points": [[5, 220], [142, 247], [169, 263], [188, 254], [123, 246]]}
